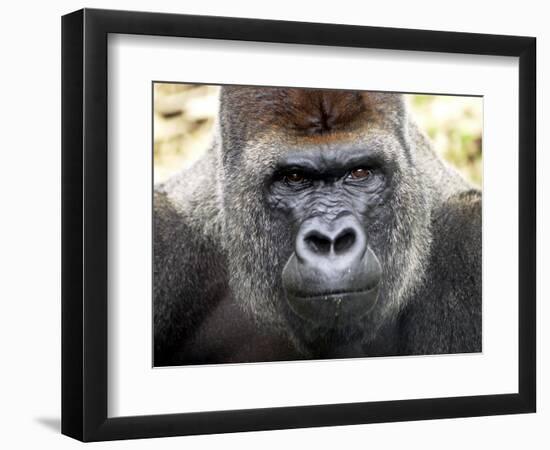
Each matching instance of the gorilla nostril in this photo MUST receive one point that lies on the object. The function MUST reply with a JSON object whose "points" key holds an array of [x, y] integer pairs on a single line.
{"points": [[344, 241], [318, 243]]}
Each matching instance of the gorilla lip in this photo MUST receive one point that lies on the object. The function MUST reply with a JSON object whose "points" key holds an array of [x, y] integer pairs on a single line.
{"points": [[323, 295], [345, 305]]}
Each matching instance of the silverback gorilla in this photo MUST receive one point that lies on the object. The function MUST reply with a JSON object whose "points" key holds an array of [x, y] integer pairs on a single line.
{"points": [[320, 224]]}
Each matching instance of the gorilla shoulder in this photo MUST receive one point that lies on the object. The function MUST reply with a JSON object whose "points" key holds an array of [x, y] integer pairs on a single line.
{"points": [[445, 315], [189, 265]]}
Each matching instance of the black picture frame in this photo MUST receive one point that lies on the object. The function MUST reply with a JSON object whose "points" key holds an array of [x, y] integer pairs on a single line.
{"points": [[84, 224]]}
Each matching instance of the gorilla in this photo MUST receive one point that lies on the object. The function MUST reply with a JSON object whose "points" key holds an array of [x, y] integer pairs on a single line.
{"points": [[320, 224]]}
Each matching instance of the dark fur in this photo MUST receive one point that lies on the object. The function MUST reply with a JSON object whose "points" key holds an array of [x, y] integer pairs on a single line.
{"points": [[219, 250]]}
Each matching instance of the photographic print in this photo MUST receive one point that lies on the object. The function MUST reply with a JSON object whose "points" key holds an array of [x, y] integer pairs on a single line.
{"points": [[320, 232], [298, 224]]}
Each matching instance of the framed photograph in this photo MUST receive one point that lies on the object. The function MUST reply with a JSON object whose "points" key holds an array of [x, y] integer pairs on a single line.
{"points": [[274, 225]]}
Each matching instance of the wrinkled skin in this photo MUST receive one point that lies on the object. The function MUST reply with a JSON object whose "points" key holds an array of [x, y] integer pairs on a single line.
{"points": [[328, 197]]}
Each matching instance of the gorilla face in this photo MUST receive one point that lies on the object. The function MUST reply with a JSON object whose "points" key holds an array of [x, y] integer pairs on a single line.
{"points": [[329, 196], [326, 218]]}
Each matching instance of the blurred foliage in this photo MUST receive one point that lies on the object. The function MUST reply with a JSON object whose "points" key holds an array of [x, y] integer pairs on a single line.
{"points": [[184, 115], [454, 125]]}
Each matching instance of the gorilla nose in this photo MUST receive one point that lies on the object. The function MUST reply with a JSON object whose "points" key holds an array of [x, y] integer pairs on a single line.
{"points": [[342, 241], [333, 275]]}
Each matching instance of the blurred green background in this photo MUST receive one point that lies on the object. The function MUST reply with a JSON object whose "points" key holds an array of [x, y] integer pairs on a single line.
{"points": [[184, 116]]}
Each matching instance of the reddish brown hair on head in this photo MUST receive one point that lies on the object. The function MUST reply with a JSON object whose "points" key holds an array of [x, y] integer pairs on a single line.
{"points": [[305, 112], [313, 112]]}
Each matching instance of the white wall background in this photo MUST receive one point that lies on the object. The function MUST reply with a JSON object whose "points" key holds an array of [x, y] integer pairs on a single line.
{"points": [[30, 223]]}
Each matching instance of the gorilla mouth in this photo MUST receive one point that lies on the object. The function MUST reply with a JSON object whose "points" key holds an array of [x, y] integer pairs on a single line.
{"points": [[334, 307], [336, 298], [329, 294]]}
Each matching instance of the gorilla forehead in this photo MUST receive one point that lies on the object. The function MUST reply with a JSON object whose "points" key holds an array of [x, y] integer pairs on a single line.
{"points": [[300, 112], [303, 111]]}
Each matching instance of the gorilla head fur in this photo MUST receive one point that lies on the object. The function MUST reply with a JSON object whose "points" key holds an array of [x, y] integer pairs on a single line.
{"points": [[260, 126]]}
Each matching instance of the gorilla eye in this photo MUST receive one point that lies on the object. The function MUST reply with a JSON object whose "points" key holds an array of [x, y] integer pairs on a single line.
{"points": [[360, 173], [294, 177]]}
